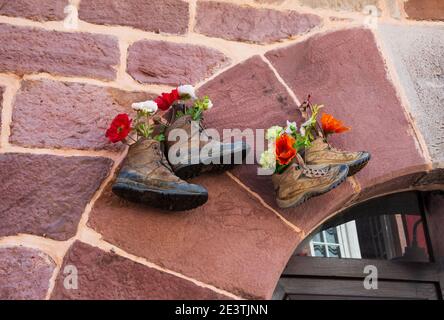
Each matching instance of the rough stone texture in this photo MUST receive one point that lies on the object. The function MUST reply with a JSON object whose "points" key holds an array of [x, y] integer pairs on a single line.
{"points": [[45, 195], [232, 242], [73, 115], [24, 273], [434, 177], [170, 63], [401, 182], [2, 90], [105, 275], [344, 71], [26, 50], [347, 5], [170, 16], [425, 9], [418, 55], [40, 10], [241, 23], [242, 93]]}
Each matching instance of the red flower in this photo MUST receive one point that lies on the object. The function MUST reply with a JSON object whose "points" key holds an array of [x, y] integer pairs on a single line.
{"points": [[285, 150], [165, 100], [119, 129], [332, 125]]}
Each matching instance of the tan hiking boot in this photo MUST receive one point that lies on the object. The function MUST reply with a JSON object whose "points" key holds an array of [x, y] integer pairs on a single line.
{"points": [[217, 156], [296, 185], [320, 152], [146, 177]]}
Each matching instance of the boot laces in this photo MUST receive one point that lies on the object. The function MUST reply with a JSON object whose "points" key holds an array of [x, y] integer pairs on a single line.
{"points": [[163, 161], [315, 172]]}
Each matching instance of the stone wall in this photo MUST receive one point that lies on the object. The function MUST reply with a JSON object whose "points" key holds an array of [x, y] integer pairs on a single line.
{"points": [[67, 67]]}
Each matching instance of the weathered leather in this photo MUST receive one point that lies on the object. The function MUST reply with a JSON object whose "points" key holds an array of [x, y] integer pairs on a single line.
{"points": [[295, 181], [321, 152], [146, 163], [194, 147], [146, 177]]}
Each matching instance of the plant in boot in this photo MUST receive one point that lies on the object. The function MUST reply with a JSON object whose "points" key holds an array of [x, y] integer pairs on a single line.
{"points": [[198, 152], [146, 176], [321, 152], [295, 182], [197, 109]]}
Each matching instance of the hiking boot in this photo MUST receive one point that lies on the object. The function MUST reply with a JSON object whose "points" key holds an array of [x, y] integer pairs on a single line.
{"points": [[217, 156], [146, 177], [320, 152], [296, 185]]}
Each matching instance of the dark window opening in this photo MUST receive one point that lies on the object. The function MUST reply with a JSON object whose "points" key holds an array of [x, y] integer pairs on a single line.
{"points": [[390, 233]]}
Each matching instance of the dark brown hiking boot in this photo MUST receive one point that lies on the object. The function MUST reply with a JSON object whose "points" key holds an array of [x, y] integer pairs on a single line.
{"points": [[146, 177], [201, 156], [296, 185], [320, 152]]}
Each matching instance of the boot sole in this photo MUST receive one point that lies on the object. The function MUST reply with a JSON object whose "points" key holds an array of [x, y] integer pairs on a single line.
{"points": [[358, 165], [305, 197], [188, 171], [161, 199]]}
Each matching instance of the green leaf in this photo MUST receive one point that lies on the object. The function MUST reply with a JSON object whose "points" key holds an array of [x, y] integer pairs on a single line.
{"points": [[160, 137]]}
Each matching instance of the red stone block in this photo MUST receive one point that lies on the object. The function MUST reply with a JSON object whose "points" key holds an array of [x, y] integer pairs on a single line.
{"points": [[25, 50], [2, 90], [248, 95], [46, 195], [170, 63], [170, 16], [40, 10], [231, 242], [24, 273], [243, 23], [73, 115], [425, 9], [107, 276]]}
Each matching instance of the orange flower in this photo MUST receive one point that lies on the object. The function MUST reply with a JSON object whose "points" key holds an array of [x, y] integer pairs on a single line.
{"points": [[332, 125], [285, 150]]}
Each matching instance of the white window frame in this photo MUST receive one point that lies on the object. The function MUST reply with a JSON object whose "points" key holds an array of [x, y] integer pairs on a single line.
{"points": [[348, 242]]}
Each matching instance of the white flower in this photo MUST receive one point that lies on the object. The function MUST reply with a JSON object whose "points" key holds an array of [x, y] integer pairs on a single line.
{"points": [[268, 159], [209, 104], [149, 106], [273, 133], [291, 127], [305, 125], [186, 91]]}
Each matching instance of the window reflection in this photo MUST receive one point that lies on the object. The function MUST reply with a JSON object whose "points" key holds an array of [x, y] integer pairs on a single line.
{"points": [[387, 237]]}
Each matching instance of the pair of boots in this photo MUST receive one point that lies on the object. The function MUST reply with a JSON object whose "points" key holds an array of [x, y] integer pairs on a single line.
{"points": [[323, 169], [147, 176]]}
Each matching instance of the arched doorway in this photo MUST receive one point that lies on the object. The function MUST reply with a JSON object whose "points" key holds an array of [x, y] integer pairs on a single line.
{"points": [[395, 238]]}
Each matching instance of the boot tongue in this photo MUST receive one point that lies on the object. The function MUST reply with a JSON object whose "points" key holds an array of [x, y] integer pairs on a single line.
{"points": [[291, 174], [158, 128], [318, 145]]}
